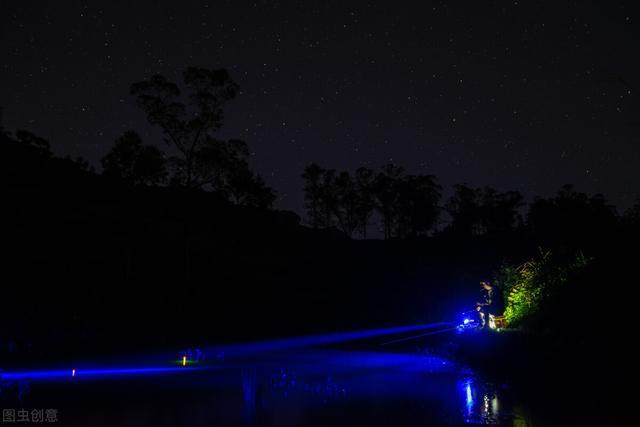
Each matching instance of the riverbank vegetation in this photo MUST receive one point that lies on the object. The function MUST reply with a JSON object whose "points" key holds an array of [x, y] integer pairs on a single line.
{"points": [[532, 287]]}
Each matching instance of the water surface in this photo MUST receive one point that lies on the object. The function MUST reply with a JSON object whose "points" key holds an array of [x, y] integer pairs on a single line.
{"points": [[318, 387]]}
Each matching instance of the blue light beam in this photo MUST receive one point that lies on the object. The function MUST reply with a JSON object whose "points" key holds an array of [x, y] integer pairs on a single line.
{"points": [[314, 340], [87, 373]]}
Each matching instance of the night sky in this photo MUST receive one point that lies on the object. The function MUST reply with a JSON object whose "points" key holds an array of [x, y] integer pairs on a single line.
{"points": [[517, 95]]}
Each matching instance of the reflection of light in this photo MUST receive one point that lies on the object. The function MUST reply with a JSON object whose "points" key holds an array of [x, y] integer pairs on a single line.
{"points": [[481, 403], [494, 405], [469, 404], [492, 322]]}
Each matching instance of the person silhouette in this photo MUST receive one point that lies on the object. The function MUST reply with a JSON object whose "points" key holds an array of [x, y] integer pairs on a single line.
{"points": [[485, 305]]}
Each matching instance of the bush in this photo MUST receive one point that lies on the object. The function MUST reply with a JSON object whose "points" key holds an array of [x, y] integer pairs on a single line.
{"points": [[532, 286]]}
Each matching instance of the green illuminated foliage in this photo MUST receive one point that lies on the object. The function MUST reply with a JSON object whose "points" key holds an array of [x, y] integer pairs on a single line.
{"points": [[528, 287]]}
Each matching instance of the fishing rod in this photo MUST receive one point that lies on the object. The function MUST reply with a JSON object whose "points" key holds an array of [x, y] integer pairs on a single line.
{"points": [[440, 331]]}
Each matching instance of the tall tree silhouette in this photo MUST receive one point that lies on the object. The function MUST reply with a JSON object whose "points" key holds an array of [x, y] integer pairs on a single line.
{"points": [[318, 195], [189, 127], [464, 209], [132, 162], [385, 190], [223, 166], [243, 186], [570, 215], [476, 211], [365, 203], [417, 205], [203, 161], [499, 211], [345, 207]]}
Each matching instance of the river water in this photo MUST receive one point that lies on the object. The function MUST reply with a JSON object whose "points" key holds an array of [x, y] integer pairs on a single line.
{"points": [[316, 387]]}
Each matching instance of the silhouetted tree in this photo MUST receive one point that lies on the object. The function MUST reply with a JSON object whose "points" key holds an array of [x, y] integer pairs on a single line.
{"points": [[203, 161], [476, 211], [332, 199], [132, 162], [408, 206], [464, 209], [189, 128], [311, 176], [318, 196], [248, 189], [499, 211], [345, 208], [417, 205], [570, 215], [365, 202], [385, 190]]}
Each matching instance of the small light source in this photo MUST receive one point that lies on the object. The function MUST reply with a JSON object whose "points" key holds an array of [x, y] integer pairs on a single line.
{"points": [[73, 372], [184, 360], [466, 321]]}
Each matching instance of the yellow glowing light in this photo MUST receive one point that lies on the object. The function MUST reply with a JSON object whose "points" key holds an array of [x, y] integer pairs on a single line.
{"points": [[184, 360]]}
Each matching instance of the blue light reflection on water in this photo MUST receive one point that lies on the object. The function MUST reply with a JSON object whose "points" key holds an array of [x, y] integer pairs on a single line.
{"points": [[469, 400], [481, 402], [307, 381], [331, 378]]}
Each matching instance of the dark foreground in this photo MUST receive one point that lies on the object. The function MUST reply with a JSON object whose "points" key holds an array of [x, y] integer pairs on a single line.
{"points": [[316, 387]]}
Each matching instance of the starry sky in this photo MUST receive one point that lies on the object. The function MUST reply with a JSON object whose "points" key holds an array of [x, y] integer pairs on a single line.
{"points": [[522, 95]]}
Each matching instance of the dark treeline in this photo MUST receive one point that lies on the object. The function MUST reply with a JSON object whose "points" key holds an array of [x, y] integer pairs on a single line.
{"points": [[184, 247], [409, 206]]}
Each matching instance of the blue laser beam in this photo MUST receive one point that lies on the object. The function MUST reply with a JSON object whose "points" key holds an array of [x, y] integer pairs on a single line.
{"points": [[241, 349], [75, 373], [441, 331], [300, 342]]}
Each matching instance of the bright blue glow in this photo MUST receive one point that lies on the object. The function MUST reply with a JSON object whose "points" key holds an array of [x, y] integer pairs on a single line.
{"points": [[75, 373], [242, 349], [466, 321], [36, 375], [128, 371], [469, 400]]}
